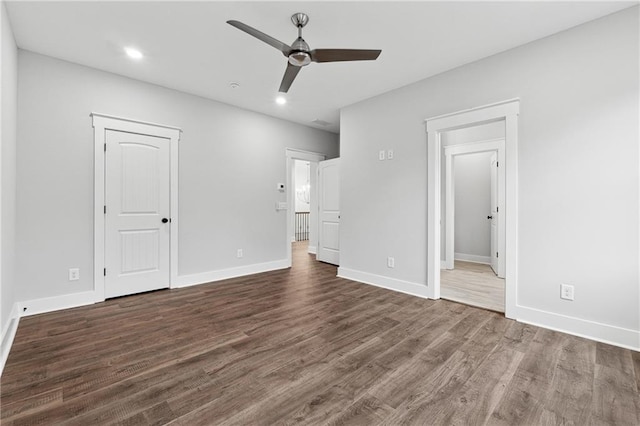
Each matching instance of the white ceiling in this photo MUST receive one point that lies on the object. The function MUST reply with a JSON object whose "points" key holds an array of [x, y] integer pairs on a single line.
{"points": [[189, 47]]}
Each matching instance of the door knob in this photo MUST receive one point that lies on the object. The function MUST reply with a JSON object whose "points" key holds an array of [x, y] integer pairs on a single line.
{"points": [[489, 217], [165, 220]]}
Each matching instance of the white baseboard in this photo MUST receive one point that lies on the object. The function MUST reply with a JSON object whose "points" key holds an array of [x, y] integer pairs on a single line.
{"points": [[605, 333], [472, 258], [56, 303], [311, 249], [8, 333], [617, 336], [223, 274], [407, 287]]}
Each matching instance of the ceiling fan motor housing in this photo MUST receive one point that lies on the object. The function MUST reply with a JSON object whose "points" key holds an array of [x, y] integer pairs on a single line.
{"points": [[299, 55]]}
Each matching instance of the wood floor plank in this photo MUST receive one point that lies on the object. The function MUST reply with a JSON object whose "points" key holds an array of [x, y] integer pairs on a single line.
{"points": [[614, 357], [302, 346], [614, 398], [474, 284], [479, 396], [365, 411]]}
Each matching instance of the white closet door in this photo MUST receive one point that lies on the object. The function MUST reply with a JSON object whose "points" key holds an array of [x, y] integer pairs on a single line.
{"points": [[137, 232]]}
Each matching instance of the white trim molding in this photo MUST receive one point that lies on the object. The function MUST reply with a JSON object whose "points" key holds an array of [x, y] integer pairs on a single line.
{"points": [[600, 332], [507, 112], [474, 258], [407, 287], [223, 274], [102, 123], [56, 303], [8, 334]]}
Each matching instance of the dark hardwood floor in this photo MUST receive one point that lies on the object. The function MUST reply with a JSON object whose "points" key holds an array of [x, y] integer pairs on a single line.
{"points": [[302, 346]]}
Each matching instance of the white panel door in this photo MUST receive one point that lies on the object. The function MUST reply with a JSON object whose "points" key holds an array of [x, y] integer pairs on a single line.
{"points": [[494, 214], [329, 208], [137, 231]]}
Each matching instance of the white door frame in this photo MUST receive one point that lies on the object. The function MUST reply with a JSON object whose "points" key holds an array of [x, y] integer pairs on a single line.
{"points": [[102, 123], [450, 152], [508, 112], [291, 155]]}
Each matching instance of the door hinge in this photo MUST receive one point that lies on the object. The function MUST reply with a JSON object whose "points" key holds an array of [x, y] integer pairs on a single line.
{"points": [[497, 255], [497, 209], [105, 209], [105, 272], [105, 147], [497, 164]]}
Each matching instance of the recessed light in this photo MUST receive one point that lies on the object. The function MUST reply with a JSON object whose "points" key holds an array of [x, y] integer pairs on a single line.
{"points": [[133, 53], [281, 100]]}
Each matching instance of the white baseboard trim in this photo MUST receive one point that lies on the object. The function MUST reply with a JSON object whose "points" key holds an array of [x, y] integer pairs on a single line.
{"points": [[311, 249], [223, 274], [8, 334], [56, 303], [472, 258], [414, 289], [605, 333], [617, 336]]}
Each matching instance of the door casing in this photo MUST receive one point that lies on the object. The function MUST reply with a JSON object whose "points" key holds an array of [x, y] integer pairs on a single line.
{"points": [[102, 123], [508, 112]]}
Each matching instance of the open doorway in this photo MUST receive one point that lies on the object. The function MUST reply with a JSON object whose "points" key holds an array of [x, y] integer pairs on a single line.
{"points": [[302, 202], [302, 207], [505, 113], [472, 227]]}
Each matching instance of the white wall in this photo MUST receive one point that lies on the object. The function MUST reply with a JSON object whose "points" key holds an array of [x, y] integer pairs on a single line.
{"points": [[8, 108], [472, 183], [230, 162], [577, 175]]}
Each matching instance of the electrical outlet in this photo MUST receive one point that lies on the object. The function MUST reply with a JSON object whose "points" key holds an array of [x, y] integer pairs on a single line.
{"points": [[74, 274], [391, 262], [239, 253], [390, 154], [566, 291], [381, 155]]}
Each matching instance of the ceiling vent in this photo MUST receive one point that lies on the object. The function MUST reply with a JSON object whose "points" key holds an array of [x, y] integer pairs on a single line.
{"points": [[320, 122]]}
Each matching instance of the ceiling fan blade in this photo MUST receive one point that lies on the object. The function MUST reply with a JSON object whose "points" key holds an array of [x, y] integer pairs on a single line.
{"points": [[284, 48], [289, 75], [336, 55]]}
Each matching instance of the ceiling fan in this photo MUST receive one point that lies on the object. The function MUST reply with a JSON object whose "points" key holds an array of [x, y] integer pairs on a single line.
{"points": [[299, 53]]}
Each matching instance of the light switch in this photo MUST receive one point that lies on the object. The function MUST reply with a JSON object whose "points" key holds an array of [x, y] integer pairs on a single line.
{"points": [[381, 155], [390, 154]]}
